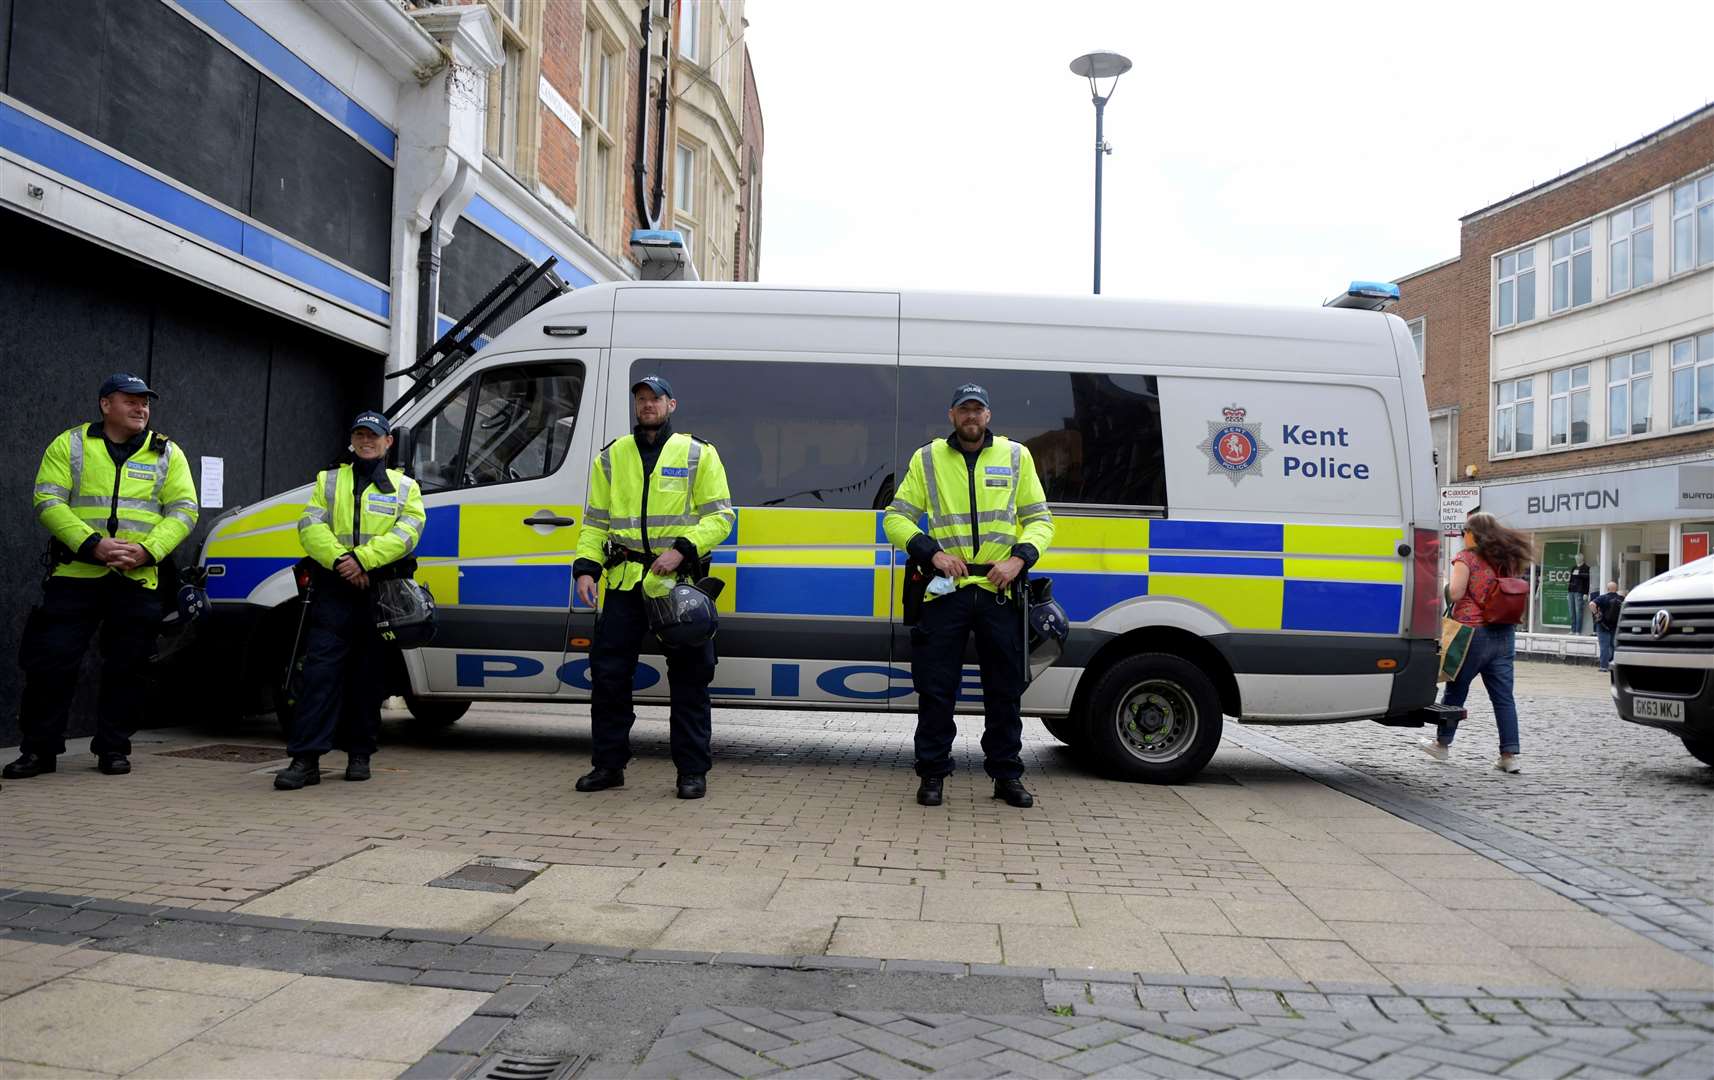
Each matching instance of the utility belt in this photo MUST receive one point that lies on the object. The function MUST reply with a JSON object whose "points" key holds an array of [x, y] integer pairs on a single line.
{"points": [[917, 578], [619, 555]]}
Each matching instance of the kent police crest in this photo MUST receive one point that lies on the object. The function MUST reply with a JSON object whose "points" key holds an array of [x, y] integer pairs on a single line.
{"points": [[1234, 447]]}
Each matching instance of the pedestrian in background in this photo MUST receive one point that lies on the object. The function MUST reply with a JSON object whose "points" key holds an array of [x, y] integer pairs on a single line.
{"points": [[1491, 552], [1605, 609], [117, 499], [362, 522]]}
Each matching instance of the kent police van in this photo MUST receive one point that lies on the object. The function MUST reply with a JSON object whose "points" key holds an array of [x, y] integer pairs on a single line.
{"points": [[1244, 503]]}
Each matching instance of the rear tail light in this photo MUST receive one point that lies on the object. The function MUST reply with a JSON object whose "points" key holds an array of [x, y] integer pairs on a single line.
{"points": [[1425, 585]]}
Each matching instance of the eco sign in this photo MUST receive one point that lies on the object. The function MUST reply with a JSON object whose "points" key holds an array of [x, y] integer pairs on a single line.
{"points": [[1558, 559]]}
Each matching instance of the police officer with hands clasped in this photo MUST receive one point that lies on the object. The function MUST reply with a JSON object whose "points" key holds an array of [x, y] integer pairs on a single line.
{"points": [[117, 498], [362, 522], [658, 504], [988, 523]]}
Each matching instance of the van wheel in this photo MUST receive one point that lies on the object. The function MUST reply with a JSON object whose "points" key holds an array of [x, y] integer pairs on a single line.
{"points": [[1154, 718], [434, 712], [1702, 749], [1063, 728]]}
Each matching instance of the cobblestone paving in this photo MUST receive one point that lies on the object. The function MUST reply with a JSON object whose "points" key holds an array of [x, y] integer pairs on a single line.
{"points": [[1630, 813]]}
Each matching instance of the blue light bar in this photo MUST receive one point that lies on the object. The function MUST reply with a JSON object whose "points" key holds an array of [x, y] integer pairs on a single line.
{"points": [[658, 238], [1367, 296]]}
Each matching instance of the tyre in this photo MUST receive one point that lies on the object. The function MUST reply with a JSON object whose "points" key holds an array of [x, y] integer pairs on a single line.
{"points": [[1063, 728], [1701, 748], [1153, 718], [435, 712]]}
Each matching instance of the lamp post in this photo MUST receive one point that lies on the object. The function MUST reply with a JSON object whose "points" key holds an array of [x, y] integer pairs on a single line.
{"points": [[1095, 66]]}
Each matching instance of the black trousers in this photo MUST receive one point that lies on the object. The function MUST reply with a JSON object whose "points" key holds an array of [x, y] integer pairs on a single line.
{"points": [[343, 681], [57, 634], [619, 635], [937, 671]]}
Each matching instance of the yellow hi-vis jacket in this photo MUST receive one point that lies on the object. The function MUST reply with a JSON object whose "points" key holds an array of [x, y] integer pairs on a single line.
{"points": [[387, 530], [977, 512], [687, 499], [79, 492]]}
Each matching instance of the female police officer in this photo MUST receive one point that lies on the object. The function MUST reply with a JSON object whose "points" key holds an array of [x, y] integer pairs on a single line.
{"points": [[362, 522]]}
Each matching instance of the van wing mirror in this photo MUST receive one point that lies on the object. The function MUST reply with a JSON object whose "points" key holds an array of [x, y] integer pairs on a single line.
{"points": [[404, 445]]}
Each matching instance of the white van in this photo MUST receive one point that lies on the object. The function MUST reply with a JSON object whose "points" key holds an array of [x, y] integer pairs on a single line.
{"points": [[1663, 656], [1246, 515]]}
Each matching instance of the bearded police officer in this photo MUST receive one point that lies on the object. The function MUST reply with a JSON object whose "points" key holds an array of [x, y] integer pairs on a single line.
{"points": [[118, 499], [988, 523], [658, 504], [360, 527]]}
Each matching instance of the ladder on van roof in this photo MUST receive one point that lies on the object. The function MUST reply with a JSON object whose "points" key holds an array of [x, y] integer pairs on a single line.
{"points": [[440, 360]]}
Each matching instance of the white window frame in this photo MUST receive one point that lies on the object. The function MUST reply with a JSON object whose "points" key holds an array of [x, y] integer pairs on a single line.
{"points": [[596, 187], [1514, 413], [1693, 223], [1692, 358], [1565, 388], [1622, 376], [1519, 282], [1419, 337], [687, 194], [1578, 248], [1630, 229]]}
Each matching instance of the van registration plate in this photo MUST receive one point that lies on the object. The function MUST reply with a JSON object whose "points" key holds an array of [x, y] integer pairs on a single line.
{"points": [[1649, 708]]}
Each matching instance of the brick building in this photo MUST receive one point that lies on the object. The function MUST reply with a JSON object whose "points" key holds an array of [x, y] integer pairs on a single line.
{"points": [[1569, 361]]}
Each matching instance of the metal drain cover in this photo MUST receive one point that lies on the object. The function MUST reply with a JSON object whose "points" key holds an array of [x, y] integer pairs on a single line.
{"points": [[491, 875], [235, 753], [517, 1067]]}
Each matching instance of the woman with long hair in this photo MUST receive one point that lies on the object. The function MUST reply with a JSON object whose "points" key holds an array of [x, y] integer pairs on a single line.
{"points": [[1491, 551]]}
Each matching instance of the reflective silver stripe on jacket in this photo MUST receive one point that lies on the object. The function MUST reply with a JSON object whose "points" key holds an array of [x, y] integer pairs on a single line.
{"points": [[103, 503], [74, 453], [161, 465], [53, 491], [1031, 511], [136, 526], [1012, 499], [606, 460], [718, 506], [625, 523], [690, 470], [926, 456], [905, 509], [656, 521]]}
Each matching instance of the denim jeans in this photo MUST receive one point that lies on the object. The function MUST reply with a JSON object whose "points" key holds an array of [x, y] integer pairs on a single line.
{"points": [[1604, 639], [1579, 608], [1490, 656]]}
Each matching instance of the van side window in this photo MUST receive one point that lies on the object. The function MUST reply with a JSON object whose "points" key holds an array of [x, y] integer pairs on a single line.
{"points": [[520, 428], [1096, 438], [790, 434]]}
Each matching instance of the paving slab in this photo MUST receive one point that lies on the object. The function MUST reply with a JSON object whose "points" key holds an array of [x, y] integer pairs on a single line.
{"points": [[188, 976], [702, 888], [1015, 906], [780, 933], [611, 923], [872, 900], [375, 1021], [398, 865], [973, 943], [97, 1026], [1062, 947], [200, 1058], [591, 884]]}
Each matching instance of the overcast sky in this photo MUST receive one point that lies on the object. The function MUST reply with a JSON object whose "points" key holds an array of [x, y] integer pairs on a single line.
{"points": [[1264, 153]]}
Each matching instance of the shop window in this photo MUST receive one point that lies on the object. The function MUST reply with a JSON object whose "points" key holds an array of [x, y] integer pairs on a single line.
{"points": [[1514, 417], [1629, 381], [1693, 380], [1693, 224], [1630, 248], [1568, 407], [1573, 266], [1514, 299]]}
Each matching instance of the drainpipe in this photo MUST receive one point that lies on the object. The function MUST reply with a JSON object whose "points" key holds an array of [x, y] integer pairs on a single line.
{"points": [[428, 280], [649, 203]]}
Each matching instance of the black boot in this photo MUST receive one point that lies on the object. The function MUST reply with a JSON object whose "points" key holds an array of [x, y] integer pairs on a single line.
{"points": [[1014, 794], [692, 785], [357, 766], [113, 764], [599, 779], [29, 765], [929, 791], [302, 772]]}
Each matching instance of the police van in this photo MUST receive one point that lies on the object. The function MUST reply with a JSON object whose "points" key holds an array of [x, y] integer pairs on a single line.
{"points": [[1244, 502]]}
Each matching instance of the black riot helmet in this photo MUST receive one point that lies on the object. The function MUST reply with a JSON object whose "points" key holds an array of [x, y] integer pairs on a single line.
{"points": [[404, 612], [1049, 626], [685, 617]]}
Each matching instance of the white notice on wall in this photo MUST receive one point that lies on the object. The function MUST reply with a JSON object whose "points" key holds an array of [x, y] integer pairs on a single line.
{"points": [[213, 486]]}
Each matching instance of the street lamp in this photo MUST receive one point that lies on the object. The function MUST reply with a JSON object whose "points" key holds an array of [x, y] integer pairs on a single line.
{"points": [[1094, 66]]}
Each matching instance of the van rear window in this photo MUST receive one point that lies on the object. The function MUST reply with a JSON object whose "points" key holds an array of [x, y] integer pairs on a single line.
{"points": [[1096, 438]]}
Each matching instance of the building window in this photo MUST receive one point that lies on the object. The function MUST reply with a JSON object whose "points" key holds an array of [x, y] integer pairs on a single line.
{"points": [[1628, 384], [1516, 300], [511, 94], [1568, 407], [1631, 248], [1514, 417], [1693, 380], [1573, 266], [685, 202], [1418, 332], [600, 69], [1693, 224], [690, 29]]}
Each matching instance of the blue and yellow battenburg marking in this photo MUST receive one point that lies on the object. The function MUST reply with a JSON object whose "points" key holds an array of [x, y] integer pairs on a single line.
{"points": [[790, 561]]}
